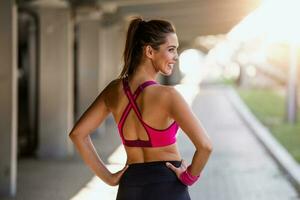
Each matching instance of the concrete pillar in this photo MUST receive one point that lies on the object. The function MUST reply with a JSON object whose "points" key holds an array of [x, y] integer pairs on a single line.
{"points": [[8, 100], [55, 93], [88, 66], [112, 44], [88, 69]]}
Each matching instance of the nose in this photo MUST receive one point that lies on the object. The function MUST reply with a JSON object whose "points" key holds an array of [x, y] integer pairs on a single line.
{"points": [[176, 57]]}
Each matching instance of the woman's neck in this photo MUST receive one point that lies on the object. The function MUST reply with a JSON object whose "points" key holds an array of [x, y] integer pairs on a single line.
{"points": [[143, 73]]}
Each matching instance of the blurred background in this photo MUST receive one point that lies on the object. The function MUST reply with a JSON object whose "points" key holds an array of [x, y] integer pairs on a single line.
{"points": [[57, 55]]}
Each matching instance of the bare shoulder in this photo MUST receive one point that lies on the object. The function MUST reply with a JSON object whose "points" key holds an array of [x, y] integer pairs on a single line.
{"points": [[175, 102], [111, 88], [169, 96], [112, 85], [111, 92], [163, 89], [162, 92], [171, 93]]}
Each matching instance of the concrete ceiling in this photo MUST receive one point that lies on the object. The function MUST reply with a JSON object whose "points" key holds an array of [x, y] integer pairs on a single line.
{"points": [[192, 18]]}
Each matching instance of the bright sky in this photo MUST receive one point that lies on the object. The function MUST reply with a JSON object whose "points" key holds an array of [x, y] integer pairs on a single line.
{"points": [[277, 20]]}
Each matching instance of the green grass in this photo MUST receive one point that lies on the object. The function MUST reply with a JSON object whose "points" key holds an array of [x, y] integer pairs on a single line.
{"points": [[269, 108]]}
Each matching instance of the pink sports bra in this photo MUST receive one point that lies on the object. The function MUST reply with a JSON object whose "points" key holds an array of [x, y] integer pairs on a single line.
{"points": [[157, 137]]}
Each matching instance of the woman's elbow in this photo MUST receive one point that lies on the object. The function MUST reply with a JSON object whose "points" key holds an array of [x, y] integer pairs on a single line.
{"points": [[77, 135], [208, 147], [73, 135]]}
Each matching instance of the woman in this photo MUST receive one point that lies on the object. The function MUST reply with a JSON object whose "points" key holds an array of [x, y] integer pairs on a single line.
{"points": [[148, 116]]}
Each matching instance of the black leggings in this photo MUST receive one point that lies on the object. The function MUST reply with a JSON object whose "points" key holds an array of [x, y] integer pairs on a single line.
{"points": [[151, 181]]}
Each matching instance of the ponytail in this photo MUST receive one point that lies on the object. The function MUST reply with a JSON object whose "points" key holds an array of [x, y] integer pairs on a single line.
{"points": [[131, 48]]}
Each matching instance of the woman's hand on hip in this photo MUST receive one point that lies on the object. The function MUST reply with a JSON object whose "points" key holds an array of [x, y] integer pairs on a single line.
{"points": [[177, 170], [115, 177]]}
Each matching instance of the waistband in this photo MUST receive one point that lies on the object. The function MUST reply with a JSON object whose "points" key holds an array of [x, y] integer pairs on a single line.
{"points": [[138, 174], [176, 163]]}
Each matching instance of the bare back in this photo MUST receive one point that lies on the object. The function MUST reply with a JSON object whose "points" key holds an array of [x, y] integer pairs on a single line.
{"points": [[152, 104]]}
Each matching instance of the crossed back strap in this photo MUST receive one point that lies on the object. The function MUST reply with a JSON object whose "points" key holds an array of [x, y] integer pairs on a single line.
{"points": [[132, 97]]}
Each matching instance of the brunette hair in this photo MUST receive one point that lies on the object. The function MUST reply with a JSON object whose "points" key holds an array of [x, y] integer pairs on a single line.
{"points": [[141, 33]]}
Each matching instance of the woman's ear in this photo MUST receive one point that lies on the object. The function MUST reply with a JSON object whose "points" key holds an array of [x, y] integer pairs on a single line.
{"points": [[149, 51]]}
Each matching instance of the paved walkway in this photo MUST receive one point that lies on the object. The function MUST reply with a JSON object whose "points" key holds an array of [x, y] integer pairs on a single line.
{"points": [[239, 168]]}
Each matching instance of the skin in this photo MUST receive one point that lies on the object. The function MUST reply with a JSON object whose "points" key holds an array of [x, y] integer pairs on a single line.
{"points": [[159, 105]]}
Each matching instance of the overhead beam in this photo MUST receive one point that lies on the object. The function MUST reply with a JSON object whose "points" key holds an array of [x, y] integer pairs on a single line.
{"points": [[193, 18]]}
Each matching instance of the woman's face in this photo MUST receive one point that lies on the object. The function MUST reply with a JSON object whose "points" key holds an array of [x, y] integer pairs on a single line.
{"points": [[165, 58]]}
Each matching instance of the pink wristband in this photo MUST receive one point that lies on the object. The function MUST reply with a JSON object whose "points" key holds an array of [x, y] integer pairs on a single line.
{"points": [[187, 178]]}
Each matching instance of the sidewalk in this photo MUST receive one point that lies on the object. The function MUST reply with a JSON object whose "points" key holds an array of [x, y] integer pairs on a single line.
{"points": [[239, 168], [60, 179]]}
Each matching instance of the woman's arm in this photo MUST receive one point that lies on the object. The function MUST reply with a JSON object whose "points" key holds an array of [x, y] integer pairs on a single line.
{"points": [[80, 135], [180, 111]]}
